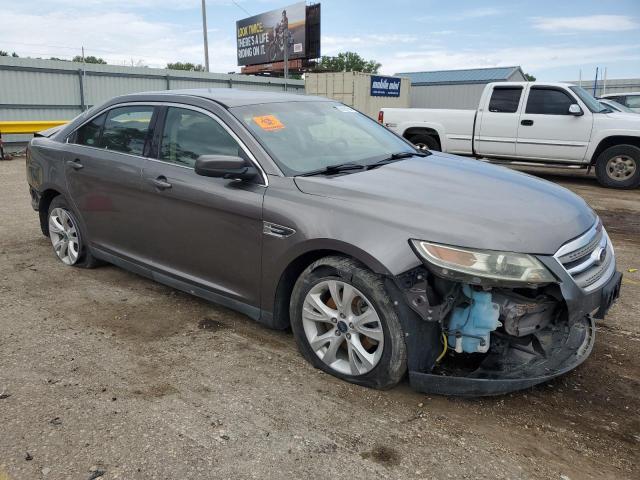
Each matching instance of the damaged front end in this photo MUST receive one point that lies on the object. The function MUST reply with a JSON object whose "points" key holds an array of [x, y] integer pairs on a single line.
{"points": [[530, 322]]}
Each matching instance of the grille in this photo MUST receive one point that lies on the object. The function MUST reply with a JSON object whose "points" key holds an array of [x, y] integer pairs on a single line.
{"points": [[589, 259]]}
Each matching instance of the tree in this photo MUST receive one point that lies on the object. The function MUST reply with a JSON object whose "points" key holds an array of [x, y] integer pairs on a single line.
{"points": [[89, 59], [347, 62], [185, 66], [6, 54], [529, 78]]}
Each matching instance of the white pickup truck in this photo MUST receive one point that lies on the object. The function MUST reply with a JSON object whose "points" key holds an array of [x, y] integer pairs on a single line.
{"points": [[533, 122]]}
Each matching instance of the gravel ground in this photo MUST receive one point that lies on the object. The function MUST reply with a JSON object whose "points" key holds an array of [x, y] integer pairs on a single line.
{"points": [[106, 373]]}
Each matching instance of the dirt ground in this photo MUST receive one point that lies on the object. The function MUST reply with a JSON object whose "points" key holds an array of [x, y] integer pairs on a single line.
{"points": [[104, 372]]}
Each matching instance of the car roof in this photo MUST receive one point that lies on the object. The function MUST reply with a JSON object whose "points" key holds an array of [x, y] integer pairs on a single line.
{"points": [[235, 97], [619, 94]]}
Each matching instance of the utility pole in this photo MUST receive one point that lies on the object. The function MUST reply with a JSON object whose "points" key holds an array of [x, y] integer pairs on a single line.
{"points": [[286, 57], [204, 32]]}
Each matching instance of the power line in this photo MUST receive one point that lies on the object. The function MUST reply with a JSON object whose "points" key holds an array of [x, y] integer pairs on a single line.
{"points": [[240, 7]]}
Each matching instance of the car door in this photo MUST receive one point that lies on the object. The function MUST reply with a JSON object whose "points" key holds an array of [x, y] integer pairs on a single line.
{"points": [[103, 168], [497, 130], [547, 130], [207, 231]]}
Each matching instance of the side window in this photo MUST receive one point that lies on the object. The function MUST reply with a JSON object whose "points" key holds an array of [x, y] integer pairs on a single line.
{"points": [[126, 129], [633, 101], [505, 100], [545, 101], [89, 134], [188, 134]]}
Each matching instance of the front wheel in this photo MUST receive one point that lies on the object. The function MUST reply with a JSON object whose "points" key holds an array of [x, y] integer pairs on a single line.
{"points": [[345, 324], [619, 167]]}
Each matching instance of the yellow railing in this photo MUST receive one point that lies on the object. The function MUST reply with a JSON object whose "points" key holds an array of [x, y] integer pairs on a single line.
{"points": [[29, 126]]}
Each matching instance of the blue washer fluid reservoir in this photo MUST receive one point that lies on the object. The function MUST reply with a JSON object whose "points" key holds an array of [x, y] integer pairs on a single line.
{"points": [[470, 326]]}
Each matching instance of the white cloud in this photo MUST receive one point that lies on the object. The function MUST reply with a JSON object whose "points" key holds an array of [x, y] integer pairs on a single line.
{"points": [[531, 59], [481, 12], [118, 37], [602, 23]]}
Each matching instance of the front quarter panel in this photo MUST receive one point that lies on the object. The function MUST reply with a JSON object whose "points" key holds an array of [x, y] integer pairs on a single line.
{"points": [[327, 224]]}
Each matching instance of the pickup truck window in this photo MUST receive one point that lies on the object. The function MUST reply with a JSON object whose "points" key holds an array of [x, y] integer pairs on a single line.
{"points": [[505, 99], [548, 101]]}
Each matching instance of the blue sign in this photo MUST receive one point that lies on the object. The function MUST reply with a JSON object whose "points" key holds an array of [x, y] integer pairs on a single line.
{"points": [[385, 86]]}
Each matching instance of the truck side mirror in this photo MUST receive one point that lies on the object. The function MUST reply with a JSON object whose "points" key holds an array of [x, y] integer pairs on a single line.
{"points": [[574, 109]]}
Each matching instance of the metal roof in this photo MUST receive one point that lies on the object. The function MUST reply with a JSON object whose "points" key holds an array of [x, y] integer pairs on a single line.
{"points": [[472, 75]]}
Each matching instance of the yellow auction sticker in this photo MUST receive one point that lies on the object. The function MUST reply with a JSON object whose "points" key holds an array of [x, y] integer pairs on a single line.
{"points": [[268, 122]]}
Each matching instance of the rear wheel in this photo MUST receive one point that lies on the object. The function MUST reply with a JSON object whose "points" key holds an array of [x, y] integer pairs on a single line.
{"points": [[345, 324], [619, 167], [67, 238], [425, 142]]}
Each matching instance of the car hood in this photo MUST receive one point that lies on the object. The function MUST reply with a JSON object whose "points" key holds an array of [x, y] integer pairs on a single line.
{"points": [[452, 200]]}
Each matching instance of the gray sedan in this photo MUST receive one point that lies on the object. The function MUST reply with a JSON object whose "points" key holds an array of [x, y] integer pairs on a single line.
{"points": [[303, 213]]}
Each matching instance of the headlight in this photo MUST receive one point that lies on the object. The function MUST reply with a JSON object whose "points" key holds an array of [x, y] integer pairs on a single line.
{"points": [[478, 266]]}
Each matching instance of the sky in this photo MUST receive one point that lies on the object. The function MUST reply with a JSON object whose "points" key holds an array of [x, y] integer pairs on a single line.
{"points": [[552, 40]]}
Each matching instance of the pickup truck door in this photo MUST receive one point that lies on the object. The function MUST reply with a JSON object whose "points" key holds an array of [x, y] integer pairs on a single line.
{"points": [[497, 123], [547, 130]]}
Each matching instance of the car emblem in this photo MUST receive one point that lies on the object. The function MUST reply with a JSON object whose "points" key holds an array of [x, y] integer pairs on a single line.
{"points": [[601, 255]]}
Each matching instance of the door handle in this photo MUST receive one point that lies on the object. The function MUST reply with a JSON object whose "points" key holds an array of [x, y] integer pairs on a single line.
{"points": [[75, 164], [161, 183], [526, 123]]}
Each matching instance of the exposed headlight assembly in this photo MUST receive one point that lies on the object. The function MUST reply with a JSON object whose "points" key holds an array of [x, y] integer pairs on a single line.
{"points": [[482, 267]]}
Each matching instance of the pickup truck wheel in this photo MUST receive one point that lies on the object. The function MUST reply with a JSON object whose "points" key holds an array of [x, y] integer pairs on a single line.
{"points": [[425, 142], [67, 237], [619, 167], [345, 324]]}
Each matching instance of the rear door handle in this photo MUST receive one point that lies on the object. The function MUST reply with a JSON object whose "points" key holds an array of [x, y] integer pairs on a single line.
{"points": [[75, 164], [526, 123], [161, 183]]}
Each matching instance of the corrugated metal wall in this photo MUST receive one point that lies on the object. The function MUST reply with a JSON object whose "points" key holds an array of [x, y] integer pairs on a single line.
{"points": [[461, 96], [619, 85], [34, 89], [354, 89]]}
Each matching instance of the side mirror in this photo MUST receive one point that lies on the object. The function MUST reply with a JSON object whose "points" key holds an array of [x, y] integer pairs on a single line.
{"points": [[225, 166], [574, 109]]}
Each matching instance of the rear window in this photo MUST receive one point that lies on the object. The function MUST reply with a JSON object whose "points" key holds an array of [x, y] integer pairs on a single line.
{"points": [[126, 129], [633, 101], [505, 99], [89, 134]]}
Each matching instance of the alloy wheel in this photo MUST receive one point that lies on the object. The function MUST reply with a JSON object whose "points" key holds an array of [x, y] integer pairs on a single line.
{"points": [[64, 236], [342, 327]]}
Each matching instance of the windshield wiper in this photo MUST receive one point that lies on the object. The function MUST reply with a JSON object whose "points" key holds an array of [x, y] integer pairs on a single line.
{"points": [[394, 157], [331, 169]]}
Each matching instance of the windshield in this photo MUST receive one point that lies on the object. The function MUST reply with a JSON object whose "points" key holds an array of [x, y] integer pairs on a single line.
{"points": [[616, 106], [304, 137], [592, 104]]}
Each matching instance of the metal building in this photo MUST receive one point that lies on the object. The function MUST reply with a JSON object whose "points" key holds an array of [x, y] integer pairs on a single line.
{"points": [[460, 89], [355, 89], [613, 85], [35, 89]]}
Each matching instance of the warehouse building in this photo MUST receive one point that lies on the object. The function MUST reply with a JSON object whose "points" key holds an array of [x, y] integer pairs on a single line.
{"points": [[459, 89]]}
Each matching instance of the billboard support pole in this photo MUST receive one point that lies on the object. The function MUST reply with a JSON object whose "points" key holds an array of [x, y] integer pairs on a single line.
{"points": [[204, 32], [286, 58]]}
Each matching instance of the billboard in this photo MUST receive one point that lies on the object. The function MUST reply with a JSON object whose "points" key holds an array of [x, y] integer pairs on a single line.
{"points": [[385, 86], [261, 37]]}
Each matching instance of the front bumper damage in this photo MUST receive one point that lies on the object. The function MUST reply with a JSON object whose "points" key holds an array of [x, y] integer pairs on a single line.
{"points": [[540, 335]]}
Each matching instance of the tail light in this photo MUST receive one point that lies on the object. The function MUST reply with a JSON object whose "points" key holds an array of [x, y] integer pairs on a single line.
{"points": [[380, 116]]}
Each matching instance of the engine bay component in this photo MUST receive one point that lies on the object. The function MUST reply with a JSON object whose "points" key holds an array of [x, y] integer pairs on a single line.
{"points": [[522, 316], [472, 322]]}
